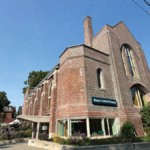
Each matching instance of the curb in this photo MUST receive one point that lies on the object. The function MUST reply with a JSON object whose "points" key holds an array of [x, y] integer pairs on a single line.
{"points": [[122, 146]]}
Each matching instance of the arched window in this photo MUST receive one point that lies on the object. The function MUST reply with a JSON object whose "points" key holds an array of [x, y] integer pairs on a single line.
{"points": [[138, 96], [128, 60], [99, 78]]}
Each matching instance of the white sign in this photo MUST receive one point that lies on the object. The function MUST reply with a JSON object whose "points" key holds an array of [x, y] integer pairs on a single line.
{"points": [[44, 127]]}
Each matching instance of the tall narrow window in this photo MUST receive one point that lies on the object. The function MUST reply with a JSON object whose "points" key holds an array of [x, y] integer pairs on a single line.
{"points": [[126, 50], [130, 60], [99, 78]]}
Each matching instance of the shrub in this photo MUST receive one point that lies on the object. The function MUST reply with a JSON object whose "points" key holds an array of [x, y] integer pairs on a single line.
{"points": [[145, 139], [59, 140], [76, 141], [43, 136], [26, 127], [13, 134], [83, 135], [127, 130], [55, 138], [4, 136], [145, 111], [147, 130], [77, 134], [25, 134], [22, 134], [68, 141], [28, 133]]}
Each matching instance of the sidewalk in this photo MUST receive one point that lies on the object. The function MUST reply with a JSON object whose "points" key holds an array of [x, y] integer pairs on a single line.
{"points": [[14, 141], [18, 146]]}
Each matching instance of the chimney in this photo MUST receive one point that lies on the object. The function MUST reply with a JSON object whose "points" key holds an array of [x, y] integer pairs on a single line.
{"points": [[88, 31]]}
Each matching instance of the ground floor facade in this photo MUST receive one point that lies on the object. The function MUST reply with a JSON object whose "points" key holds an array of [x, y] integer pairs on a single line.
{"points": [[90, 127], [69, 127]]}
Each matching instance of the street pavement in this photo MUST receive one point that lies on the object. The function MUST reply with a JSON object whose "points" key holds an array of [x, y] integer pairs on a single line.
{"points": [[19, 146]]}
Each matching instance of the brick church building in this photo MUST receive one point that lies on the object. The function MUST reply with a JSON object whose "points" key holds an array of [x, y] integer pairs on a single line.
{"points": [[95, 88]]}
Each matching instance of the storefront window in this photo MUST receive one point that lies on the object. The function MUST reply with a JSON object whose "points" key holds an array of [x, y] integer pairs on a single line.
{"points": [[102, 127], [78, 127], [96, 127], [62, 127]]}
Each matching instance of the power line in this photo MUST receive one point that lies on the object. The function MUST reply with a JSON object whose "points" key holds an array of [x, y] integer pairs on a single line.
{"points": [[141, 7], [146, 2]]}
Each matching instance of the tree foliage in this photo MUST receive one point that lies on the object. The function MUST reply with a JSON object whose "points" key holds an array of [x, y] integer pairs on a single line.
{"points": [[3, 100], [34, 78], [145, 113], [127, 130]]}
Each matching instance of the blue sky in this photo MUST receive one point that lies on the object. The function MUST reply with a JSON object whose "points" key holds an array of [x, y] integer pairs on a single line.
{"points": [[33, 33]]}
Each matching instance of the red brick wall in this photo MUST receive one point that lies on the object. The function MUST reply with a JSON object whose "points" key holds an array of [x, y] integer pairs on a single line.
{"points": [[88, 32], [53, 105], [7, 120], [71, 99], [24, 105]]}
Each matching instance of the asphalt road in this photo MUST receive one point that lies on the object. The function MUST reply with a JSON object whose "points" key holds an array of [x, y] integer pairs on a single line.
{"points": [[19, 146]]}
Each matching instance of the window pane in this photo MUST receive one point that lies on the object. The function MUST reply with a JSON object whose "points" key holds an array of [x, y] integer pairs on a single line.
{"points": [[135, 102], [138, 97], [96, 127], [144, 99], [141, 97], [130, 61], [62, 127], [106, 127], [43, 130], [99, 78], [49, 103], [59, 128], [124, 60], [78, 127], [112, 127]]}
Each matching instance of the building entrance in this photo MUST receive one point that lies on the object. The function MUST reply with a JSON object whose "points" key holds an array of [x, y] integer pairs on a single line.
{"points": [[34, 130]]}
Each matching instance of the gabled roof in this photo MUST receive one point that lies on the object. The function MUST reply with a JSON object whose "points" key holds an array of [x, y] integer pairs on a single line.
{"points": [[118, 24], [115, 26]]}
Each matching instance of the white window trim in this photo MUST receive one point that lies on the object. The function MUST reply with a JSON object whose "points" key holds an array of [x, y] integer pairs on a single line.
{"points": [[69, 133]]}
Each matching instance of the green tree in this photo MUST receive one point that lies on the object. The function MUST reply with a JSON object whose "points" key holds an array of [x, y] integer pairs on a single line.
{"points": [[3, 100], [34, 78], [145, 113]]}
